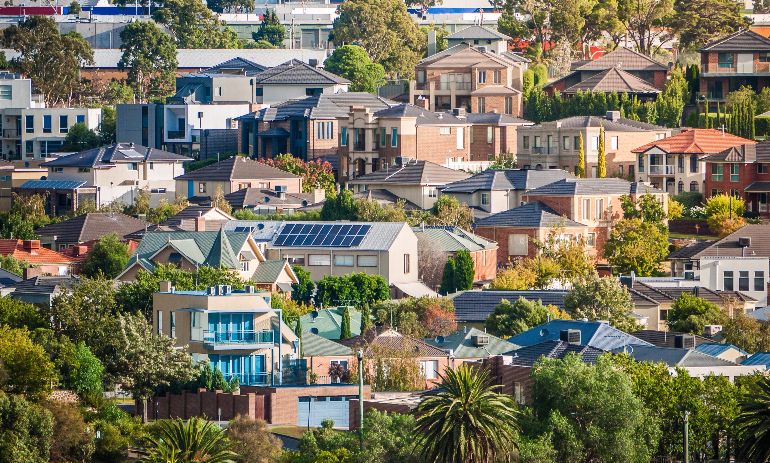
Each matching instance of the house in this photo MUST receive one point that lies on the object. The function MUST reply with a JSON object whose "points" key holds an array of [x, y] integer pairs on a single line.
{"points": [[320, 353], [88, 227], [723, 351], [469, 77], [758, 358], [741, 171], [616, 80], [493, 134], [296, 79], [382, 196], [479, 36], [306, 128], [415, 181], [14, 175], [682, 258], [40, 290], [371, 141], [233, 174], [237, 331], [675, 164], [497, 190], [47, 261], [556, 144], [471, 345], [194, 218], [9, 278], [473, 307], [740, 59], [327, 322], [627, 61], [265, 201], [671, 338], [451, 240], [598, 334]]}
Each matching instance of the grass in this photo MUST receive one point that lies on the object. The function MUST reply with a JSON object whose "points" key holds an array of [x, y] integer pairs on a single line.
{"points": [[293, 431], [697, 237]]}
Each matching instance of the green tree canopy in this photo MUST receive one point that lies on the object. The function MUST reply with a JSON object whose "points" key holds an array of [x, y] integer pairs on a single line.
{"points": [[149, 55], [690, 314], [25, 430], [193, 25], [85, 372], [352, 63], [108, 258], [753, 431], [17, 314], [448, 278], [358, 288], [108, 128], [598, 298], [636, 246], [81, 138], [511, 319], [448, 210], [302, 291], [27, 367], [714, 18], [195, 440], [315, 174], [340, 206], [271, 30], [464, 273]]}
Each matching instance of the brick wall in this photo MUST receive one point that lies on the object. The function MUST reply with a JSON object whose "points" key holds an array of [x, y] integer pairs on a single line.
{"points": [[560, 86], [434, 147], [281, 402], [660, 79], [485, 265], [262, 126], [500, 235], [205, 404], [320, 147], [496, 103]]}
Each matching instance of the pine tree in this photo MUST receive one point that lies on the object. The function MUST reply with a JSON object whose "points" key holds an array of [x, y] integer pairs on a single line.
{"points": [[366, 318], [602, 168], [345, 328], [219, 383], [298, 332], [581, 170], [447, 280], [464, 274]]}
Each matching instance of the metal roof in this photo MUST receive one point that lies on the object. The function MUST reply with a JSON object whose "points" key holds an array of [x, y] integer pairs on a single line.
{"points": [[314, 345], [717, 349], [328, 322], [477, 305], [552, 349], [54, 184], [109, 156], [462, 346], [758, 358], [599, 335], [672, 356]]}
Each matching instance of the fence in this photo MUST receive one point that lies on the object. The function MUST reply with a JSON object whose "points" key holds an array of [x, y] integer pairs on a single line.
{"points": [[204, 403]]}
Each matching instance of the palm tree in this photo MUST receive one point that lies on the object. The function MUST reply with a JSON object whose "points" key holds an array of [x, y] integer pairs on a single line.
{"points": [[192, 442], [468, 422], [754, 425]]}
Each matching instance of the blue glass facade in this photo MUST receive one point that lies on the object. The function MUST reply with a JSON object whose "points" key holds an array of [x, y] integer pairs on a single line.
{"points": [[250, 369]]}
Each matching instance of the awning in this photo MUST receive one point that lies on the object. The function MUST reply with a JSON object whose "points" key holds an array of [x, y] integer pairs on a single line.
{"points": [[415, 289], [758, 187], [248, 255], [285, 287]]}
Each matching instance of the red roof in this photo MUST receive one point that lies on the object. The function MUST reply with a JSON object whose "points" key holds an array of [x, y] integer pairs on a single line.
{"points": [[32, 252], [696, 141], [79, 253]]}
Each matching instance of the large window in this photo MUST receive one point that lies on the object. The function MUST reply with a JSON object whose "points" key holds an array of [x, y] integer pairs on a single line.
{"points": [[508, 105], [641, 163], [761, 168], [759, 281], [323, 130], [497, 77], [490, 134], [694, 186], [576, 145], [565, 142], [63, 126], [344, 137], [525, 142], [482, 77], [725, 60], [343, 261], [429, 368], [743, 280], [728, 281], [613, 143], [694, 163], [394, 137], [599, 209], [367, 261], [586, 209], [716, 172], [482, 105], [6, 92], [734, 172], [680, 163], [318, 260]]}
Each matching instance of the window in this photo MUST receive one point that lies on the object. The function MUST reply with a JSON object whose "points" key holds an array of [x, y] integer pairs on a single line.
{"points": [[29, 147], [132, 166], [680, 187], [725, 60], [736, 193], [406, 263], [631, 171], [518, 393], [6, 92], [313, 91], [81, 119], [394, 137], [591, 240], [717, 191], [63, 126], [429, 368], [482, 105], [324, 130], [445, 130], [641, 163], [576, 144], [508, 105], [367, 261], [383, 140], [743, 280], [759, 281], [47, 123], [319, 260], [202, 187], [29, 125], [680, 163], [734, 169], [490, 134], [343, 261], [498, 76], [195, 319], [694, 163], [586, 209], [245, 266], [694, 186], [173, 324], [613, 143], [460, 138], [593, 172], [764, 57], [344, 141], [482, 77], [158, 190], [58, 169], [761, 168], [421, 77], [160, 323], [471, 132], [525, 142], [485, 199], [565, 142], [716, 172], [728, 281], [432, 193], [538, 143], [518, 245], [620, 170], [594, 143], [342, 362], [599, 209]]}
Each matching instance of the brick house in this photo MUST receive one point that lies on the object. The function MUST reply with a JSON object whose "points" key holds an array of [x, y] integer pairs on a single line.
{"points": [[618, 81], [88, 227], [638, 65], [556, 145], [493, 134], [675, 164], [741, 171], [469, 77], [740, 59], [454, 239]]}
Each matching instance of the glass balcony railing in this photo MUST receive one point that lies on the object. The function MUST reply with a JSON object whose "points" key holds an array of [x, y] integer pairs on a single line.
{"points": [[251, 379], [662, 170], [235, 337], [176, 134]]}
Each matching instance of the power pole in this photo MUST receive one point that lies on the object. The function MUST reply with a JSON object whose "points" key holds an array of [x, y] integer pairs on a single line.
{"points": [[686, 437], [361, 398]]}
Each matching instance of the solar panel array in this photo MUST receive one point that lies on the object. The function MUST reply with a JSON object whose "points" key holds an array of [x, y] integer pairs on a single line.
{"points": [[322, 235]]}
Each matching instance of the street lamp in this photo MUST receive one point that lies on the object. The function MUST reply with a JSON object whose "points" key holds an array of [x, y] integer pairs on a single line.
{"points": [[361, 398], [686, 437]]}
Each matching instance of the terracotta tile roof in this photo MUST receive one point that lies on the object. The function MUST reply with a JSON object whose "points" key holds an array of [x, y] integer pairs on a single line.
{"points": [[32, 253], [696, 141]]}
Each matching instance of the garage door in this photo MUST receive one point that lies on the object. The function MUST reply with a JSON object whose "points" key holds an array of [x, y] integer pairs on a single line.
{"points": [[322, 407]]}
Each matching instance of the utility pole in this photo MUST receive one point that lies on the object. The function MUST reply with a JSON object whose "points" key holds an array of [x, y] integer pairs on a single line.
{"points": [[686, 437], [361, 398]]}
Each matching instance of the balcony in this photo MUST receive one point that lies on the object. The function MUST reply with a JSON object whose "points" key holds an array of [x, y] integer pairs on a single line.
{"points": [[11, 133], [237, 339], [251, 379], [662, 170], [176, 134]]}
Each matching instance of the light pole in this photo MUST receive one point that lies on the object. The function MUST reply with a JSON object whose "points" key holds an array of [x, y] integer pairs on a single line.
{"points": [[361, 398], [686, 437]]}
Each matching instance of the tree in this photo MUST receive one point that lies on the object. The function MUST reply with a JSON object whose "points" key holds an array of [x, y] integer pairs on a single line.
{"points": [[27, 368], [748, 333], [108, 258], [724, 214], [345, 327], [86, 372], [366, 318], [389, 437], [432, 260], [271, 30], [52, 60], [356, 287], [636, 246], [464, 274], [390, 368], [195, 440], [598, 298], [516, 277], [571, 257], [81, 138], [302, 291], [74, 7], [352, 63], [108, 128], [581, 168], [17, 314], [690, 314], [193, 25], [602, 169], [448, 278], [340, 206], [218, 200], [438, 322], [511, 319], [645, 21], [671, 101], [753, 432], [253, 440], [416, 317], [221, 6], [26, 430], [149, 55], [715, 18], [371, 211], [468, 421], [72, 439], [13, 265], [447, 210], [385, 30], [315, 174]]}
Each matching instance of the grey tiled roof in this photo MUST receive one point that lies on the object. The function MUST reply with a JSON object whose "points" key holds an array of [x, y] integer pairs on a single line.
{"points": [[595, 334], [462, 346], [108, 156], [93, 226], [324, 106], [742, 40], [385, 337], [477, 32], [268, 271], [515, 57], [507, 179], [495, 119], [237, 168], [613, 80], [624, 58], [8, 278], [750, 152], [297, 72], [247, 67], [449, 51], [758, 187], [532, 215], [45, 284], [250, 197], [593, 186], [666, 339], [527, 356], [690, 249], [412, 173], [423, 116], [674, 357], [729, 247], [477, 305], [618, 125]]}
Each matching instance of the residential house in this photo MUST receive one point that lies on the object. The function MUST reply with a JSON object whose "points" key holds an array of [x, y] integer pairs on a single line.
{"points": [[497, 190], [327, 322], [47, 261], [598, 334], [14, 175], [723, 351], [671, 338], [40, 290], [88, 227], [264, 201], [479, 36], [493, 135], [415, 181], [615, 80], [471, 345], [296, 79], [371, 141], [758, 358], [451, 240], [675, 164], [9, 278], [237, 331], [235, 173], [472, 308], [320, 353], [556, 144], [469, 77], [229, 82], [741, 171], [621, 59], [194, 218], [305, 128], [740, 59]]}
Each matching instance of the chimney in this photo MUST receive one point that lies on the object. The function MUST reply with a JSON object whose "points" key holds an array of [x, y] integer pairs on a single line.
{"points": [[31, 272], [31, 244], [80, 250], [431, 42], [422, 103], [200, 223], [165, 287], [318, 195]]}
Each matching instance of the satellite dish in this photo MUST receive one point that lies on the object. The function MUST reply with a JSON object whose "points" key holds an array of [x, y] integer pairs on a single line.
{"points": [[304, 203], [314, 330], [267, 199], [314, 314], [260, 226], [43, 178], [440, 339], [544, 332]]}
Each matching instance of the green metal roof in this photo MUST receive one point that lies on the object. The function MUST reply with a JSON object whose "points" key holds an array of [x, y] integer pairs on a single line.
{"points": [[318, 346], [268, 271], [189, 249], [462, 345], [329, 322], [222, 252], [203, 248]]}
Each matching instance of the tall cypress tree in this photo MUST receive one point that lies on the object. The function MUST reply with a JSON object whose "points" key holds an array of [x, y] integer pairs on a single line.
{"points": [[581, 170], [366, 318], [448, 279], [464, 272], [345, 328], [602, 167], [298, 332], [752, 128]]}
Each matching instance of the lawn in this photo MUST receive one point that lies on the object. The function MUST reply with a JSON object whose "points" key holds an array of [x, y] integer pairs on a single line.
{"points": [[293, 431], [697, 237]]}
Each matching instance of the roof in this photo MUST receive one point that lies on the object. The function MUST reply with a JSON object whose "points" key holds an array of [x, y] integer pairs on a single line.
{"points": [[729, 247], [462, 346], [51, 285], [695, 141], [380, 236], [466, 56], [93, 226], [685, 358], [595, 334], [314, 345], [613, 80], [552, 349], [250, 197], [109, 156], [324, 106], [717, 349], [53, 184], [8, 278], [33, 255], [327, 322], [668, 294], [690, 249], [531, 215], [184, 220], [477, 305], [593, 186], [506, 179], [415, 289], [666, 339], [620, 124], [495, 119], [750, 152], [270, 270], [244, 66], [392, 339], [297, 72], [758, 358], [758, 187], [495, 90], [412, 173], [381, 195], [742, 40], [477, 32], [423, 116], [453, 239], [624, 58], [237, 168]]}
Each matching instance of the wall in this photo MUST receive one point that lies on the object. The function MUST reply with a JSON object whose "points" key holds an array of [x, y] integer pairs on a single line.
{"points": [[274, 94], [281, 401], [381, 407], [205, 404], [712, 271]]}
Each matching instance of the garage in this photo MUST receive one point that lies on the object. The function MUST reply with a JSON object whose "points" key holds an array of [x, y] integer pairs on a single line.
{"points": [[319, 408]]}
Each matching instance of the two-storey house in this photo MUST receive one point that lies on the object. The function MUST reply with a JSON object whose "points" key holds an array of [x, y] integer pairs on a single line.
{"points": [[479, 36], [741, 171]]}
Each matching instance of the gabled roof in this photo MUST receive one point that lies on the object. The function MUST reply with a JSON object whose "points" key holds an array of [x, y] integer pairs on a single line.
{"points": [[324, 106], [690, 249], [270, 270], [668, 294], [250, 197], [717, 349], [613, 80], [381, 195], [531, 215], [623, 58], [595, 334], [495, 90], [222, 252], [507, 179], [422, 116], [666, 338], [237, 168], [242, 65], [392, 339], [685, 358], [33, 255], [184, 220], [297, 72], [381, 236], [742, 40], [93, 226], [52, 285], [593, 186], [495, 119], [695, 141], [751, 152], [328, 322], [109, 156], [729, 247], [453, 239], [412, 173], [477, 305], [610, 125], [758, 358], [8, 278], [462, 346], [552, 349], [477, 33], [466, 57], [314, 345]]}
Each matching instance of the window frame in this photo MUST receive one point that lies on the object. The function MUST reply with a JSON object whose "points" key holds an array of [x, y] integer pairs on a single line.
{"points": [[321, 260], [743, 280], [341, 260], [717, 172], [759, 277], [728, 275]]}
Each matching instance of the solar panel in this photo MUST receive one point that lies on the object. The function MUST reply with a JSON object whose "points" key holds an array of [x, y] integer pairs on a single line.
{"points": [[322, 235], [242, 229]]}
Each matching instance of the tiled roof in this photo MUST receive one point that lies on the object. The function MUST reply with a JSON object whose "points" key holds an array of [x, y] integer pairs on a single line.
{"points": [[729, 247], [668, 294], [617, 125], [666, 339], [695, 141], [751, 152], [508, 179], [717, 349], [422, 116], [381, 195], [453, 239], [412, 173], [314, 345], [109, 156], [237, 168], [758, 187], [8, 278], [477, 305], [250, 197], [464, 56], [552, 349], [531, 215], [595, 334], [613, 80], [93, 226], [38, 255], [515, 57], [477, 32], [495, 119], [297, 72], [758, 358], [592, 186], [328, 322], [742, 40], [690, 249], [686, 358], [269, 271], [449, 51], [324, 106], [624, 58], [244, 66], [392, 339], [380, 237], [46, 284], [495, 90], [462, 346]]}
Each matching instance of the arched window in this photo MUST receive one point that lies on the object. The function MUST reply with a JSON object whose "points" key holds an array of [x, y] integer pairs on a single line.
{"points": [[681, 163], [539, 166], [681, 184], [693, 186], [694, 164], [641, 163]]}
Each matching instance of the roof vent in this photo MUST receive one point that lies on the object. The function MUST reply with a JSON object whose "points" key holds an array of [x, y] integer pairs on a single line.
{"points": [[613, 115], [570, 336], [682, 341], [314, 330]]}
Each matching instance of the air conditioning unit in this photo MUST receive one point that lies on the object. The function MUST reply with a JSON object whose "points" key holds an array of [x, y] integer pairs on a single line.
{"points": [[281, 189], [570, 336], [689, 275], [744, 242], [712, 330], [480, 340], [682, 341]]}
